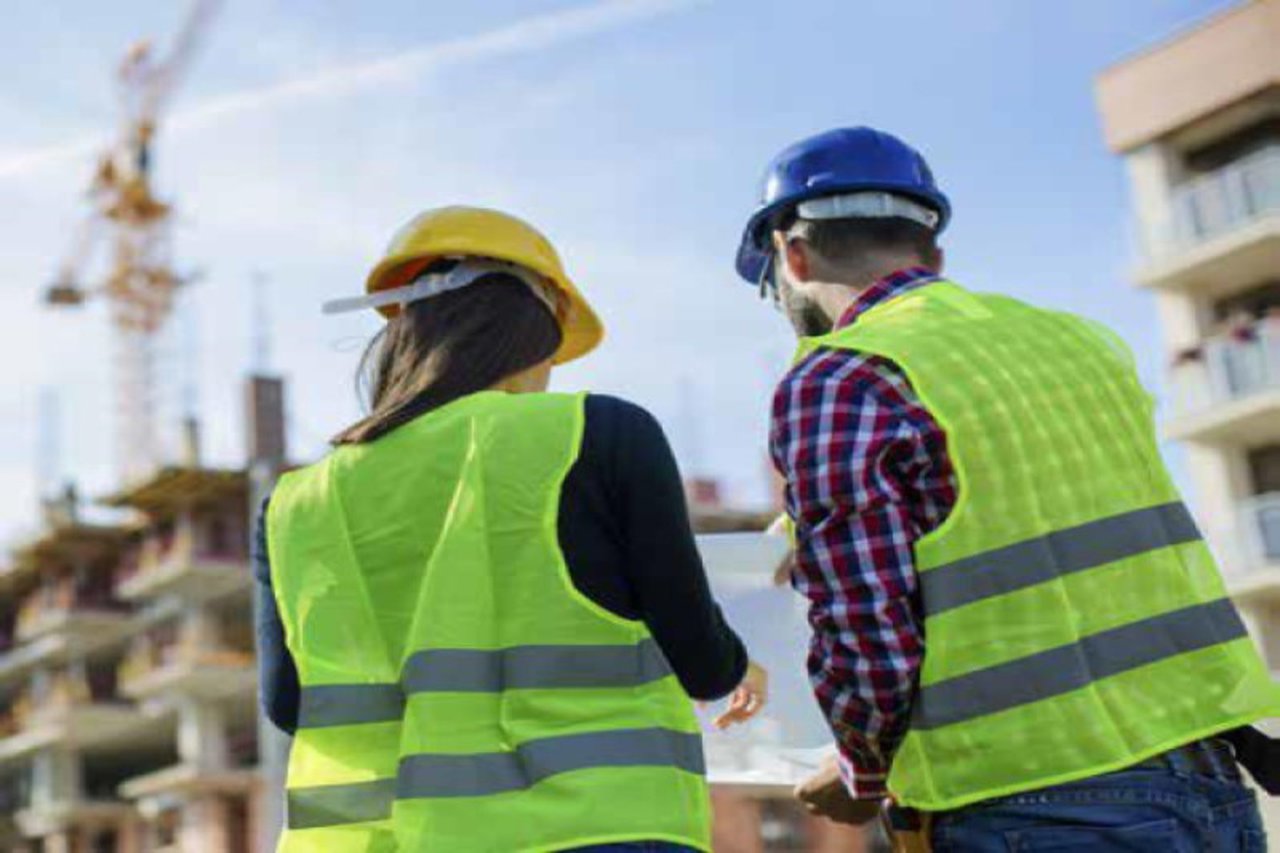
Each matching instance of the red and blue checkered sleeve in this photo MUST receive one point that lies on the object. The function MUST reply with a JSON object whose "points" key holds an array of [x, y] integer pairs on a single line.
{"points": [[867, 474]]}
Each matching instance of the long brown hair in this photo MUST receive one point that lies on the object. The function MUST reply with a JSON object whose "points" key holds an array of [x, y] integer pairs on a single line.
{"points": [[446, 347]]}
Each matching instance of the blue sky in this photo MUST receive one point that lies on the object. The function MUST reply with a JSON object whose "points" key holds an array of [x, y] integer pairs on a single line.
{"points": [[634, 133]]}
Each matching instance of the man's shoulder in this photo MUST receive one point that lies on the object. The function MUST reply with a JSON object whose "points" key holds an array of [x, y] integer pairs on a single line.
{"points": [[833, 369]]}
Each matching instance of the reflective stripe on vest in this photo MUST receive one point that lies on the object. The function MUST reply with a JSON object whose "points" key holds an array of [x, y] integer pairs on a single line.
{"points": [[535, 761], [463, 775], [1062, 552], [485, 774], [335, 805], [483, 671], [1065, 668]]}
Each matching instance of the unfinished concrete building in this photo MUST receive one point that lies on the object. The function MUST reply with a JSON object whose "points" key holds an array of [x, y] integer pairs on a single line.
{"points": [[127, 680]]}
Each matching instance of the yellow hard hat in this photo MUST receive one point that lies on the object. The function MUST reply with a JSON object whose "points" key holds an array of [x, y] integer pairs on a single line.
{"points": [[479, 232]]}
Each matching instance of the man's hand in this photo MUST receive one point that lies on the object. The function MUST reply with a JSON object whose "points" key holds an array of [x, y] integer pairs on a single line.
{"points": [[825, 795], [748, 699]]}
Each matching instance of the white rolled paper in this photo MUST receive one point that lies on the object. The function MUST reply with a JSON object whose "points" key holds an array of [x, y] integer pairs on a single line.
{"points": [[785, 744]]}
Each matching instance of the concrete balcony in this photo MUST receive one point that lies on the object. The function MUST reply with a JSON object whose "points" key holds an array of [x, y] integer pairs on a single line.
{"points": [[183, 570], [38, 821], [90, 725], [1222, 231], [1251, 549], [1230, 393], [189, 780], [53, 635], [84, 627], [182, 669]]}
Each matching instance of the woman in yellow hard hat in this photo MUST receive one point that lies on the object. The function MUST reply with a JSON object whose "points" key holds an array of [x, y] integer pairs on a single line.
{"points": [[485, 615]]}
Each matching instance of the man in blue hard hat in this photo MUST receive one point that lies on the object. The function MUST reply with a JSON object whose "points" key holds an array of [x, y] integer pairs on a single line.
{"points": [[983, 473]]}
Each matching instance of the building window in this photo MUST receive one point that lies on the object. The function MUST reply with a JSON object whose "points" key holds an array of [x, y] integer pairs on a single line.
{"points": [[1264, 469]]}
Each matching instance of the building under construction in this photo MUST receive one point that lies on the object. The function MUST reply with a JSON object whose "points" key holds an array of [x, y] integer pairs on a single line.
{"points": [[127, 676]]}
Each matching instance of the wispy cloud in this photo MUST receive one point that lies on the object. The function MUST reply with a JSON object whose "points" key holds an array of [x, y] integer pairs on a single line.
{"points": [[529, 35], [34, 159]]}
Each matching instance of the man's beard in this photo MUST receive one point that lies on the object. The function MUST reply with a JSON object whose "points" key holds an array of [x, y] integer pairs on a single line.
{"points": [[806, 317]]}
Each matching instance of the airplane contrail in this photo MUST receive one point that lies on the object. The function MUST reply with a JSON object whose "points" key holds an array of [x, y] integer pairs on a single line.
{"points": [[525, 36]]}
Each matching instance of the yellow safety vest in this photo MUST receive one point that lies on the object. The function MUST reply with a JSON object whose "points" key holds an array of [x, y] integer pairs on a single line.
{"points": [[1075, 621], [458, 693]]}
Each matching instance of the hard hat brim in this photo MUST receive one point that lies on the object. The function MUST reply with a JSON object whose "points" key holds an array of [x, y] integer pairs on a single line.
{"points": [[751, 261], [581, 328]]}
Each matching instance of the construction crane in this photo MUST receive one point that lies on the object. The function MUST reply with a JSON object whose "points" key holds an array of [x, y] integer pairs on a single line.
{"points": [[140, 283]]}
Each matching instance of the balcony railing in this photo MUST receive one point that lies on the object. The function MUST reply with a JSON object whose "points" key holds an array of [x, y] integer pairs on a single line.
{"points": [[1262, 517], [1218, 203], [1252, 545], [1228, 368]]}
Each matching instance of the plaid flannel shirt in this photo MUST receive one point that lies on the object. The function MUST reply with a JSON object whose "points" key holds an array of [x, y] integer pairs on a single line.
{"points": [[867, 475]]}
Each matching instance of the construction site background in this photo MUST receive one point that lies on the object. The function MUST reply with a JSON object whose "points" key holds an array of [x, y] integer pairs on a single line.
{"points": [[128, 719]]}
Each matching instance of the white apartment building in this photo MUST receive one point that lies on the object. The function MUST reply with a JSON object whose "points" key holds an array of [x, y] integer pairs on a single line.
{"points": [[1196, 119]]}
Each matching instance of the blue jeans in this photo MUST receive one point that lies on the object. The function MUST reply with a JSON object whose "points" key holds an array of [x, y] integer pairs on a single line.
{"points": [[635, 847], [1167, 810]]}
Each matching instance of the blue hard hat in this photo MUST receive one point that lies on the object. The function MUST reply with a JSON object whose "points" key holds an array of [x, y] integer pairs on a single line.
{"points": [[845, 160]]}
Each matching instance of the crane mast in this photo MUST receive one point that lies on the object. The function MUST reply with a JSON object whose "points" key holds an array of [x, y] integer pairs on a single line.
{"points": [[140, 282]]}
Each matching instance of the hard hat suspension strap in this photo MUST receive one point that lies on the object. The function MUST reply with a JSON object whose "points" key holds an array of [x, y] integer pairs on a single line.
{"points": [[466, 272], [868, 205]]}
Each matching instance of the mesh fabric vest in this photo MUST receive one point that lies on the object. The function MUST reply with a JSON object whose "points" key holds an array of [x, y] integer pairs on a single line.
{"points": [[458, 693], [1075, 622]]}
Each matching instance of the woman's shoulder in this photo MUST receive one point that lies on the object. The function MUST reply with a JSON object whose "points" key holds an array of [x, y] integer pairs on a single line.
{"points": [[621, 435], [608, 414]]}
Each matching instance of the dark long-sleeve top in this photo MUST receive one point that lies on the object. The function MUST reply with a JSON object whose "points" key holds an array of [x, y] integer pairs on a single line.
{"points": [[625, 533]]}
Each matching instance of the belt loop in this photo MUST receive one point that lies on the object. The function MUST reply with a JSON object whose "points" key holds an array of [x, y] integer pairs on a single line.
{"points": [[1209, 758], [1179, 761], [1221, 760]]}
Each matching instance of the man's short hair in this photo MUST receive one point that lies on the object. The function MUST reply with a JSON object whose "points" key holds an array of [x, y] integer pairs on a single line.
{"points": [[849, 240]]}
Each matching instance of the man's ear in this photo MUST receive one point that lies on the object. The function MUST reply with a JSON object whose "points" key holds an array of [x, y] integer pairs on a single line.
{"points": [[796, 254], [933, 258]]}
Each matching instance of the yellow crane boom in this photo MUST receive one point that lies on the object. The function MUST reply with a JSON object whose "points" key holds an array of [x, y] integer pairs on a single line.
{"points": [[140, 282]]}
